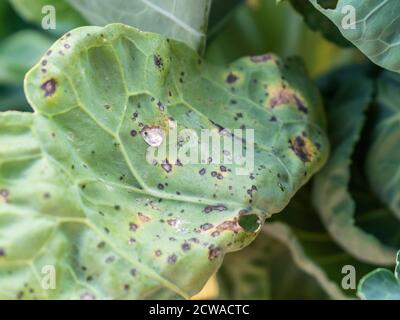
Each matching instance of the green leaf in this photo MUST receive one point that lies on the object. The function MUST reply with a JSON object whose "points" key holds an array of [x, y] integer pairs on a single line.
{"points": [[318, 22], [184, 20], [381, 284], [348, 209], [383, 159], [101, 90], [19, 52], [375, 29], [263, 26], [66, 17]]}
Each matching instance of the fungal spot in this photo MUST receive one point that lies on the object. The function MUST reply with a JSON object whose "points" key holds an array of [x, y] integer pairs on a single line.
{"points": [[44, 63], [215, 233], [158, 61], [202, 171], [231, 78], [49, 87], [101, 245], [185, 246], [171, 222], [2, 252], [67, 46], [222, 168], [229, 225], [143, 218], [213, 252], [283, 95], [153, 136], [301, 148], [133, 226], [214, 173], [160, 106], [133, 272], [133, 133], [172, 259], [158, 253], [160, 186], [261, 58], [166, 166], [110, 259], [206, 226], [117, 207], [273, 119], [219, 207]]}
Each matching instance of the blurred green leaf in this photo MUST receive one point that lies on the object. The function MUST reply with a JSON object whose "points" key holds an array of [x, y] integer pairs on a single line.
{"points": [[266, 270], [263, 26], [19, 52], [381, 284], [184, 20], [374, 31], [66, 17], [221, 12], [294, 257], [318, 22], [9, 20], [348, 209], [383, 158]]}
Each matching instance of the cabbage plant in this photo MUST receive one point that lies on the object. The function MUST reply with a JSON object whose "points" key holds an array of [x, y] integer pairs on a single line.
{"points": [[95, 205]]}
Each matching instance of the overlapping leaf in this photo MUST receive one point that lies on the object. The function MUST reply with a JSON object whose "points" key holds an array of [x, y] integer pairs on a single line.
{"points": [[349, 210], [66, 18], [134, 229], [374, 31], [383, 159], [184, 20], [381, 284]]}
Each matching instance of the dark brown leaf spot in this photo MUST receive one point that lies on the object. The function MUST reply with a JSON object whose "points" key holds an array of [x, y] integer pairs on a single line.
{"points": [[231, 78], [158, 61], [213, 252], [143, 218], [206, 226], [229, 225], [166, 166], [219, 207], [299, 147], [49, 87], [172, 259], [261, 58]]}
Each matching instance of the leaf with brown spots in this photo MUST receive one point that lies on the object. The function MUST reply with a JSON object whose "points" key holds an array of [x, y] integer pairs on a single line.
{"points": [[94, 134]]}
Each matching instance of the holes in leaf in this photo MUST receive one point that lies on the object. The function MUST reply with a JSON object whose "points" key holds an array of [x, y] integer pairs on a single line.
{"points": [[250, 222]]}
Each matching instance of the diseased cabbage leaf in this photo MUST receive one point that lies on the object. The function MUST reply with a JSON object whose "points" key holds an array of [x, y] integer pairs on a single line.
{"points": [[114, 225]]}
